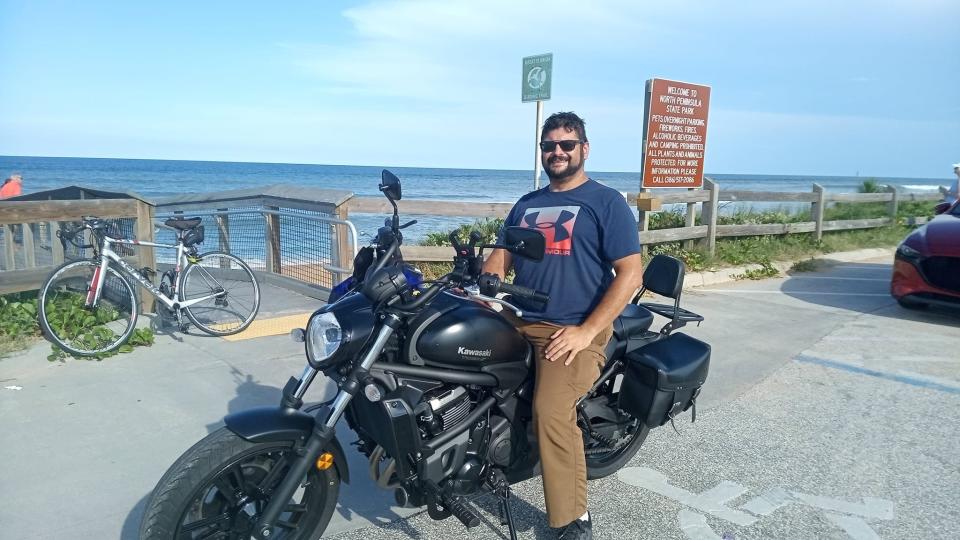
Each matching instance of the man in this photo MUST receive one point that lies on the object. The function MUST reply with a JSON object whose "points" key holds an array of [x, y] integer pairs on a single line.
{"points": [[12, 187], [590, 232], [954, 192]]}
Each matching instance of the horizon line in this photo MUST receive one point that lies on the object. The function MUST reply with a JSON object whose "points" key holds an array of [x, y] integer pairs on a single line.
{"points": [[866, 177]]}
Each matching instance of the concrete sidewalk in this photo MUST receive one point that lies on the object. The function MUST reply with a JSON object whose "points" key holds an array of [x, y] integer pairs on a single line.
{"points": [[84, 442]]}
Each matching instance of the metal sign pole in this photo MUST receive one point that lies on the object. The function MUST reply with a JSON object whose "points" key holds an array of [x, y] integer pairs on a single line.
{"points": [[535, 86], [536, 148]]}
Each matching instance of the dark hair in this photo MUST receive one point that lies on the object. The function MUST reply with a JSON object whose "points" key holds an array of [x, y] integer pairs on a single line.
{"points": [[568, 121]]}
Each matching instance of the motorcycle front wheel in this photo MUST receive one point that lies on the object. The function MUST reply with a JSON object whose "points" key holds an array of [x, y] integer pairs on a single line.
{"points": [[220, 487]]}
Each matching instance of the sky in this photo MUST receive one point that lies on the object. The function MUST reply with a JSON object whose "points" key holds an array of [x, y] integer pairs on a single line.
{"points": [[797, 87]]}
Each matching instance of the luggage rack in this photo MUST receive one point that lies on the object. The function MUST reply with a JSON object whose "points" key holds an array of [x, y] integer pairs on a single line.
{"points": [[664, 276]]}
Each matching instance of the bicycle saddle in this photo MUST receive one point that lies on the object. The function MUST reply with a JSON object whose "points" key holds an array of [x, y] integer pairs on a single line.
{"points": [[183, 224]]}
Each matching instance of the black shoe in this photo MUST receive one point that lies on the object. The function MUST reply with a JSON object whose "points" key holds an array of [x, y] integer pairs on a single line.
{"points": [[578, 530]]}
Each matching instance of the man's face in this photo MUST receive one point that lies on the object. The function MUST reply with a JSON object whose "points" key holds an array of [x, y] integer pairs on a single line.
{"points": [[560, 164]]}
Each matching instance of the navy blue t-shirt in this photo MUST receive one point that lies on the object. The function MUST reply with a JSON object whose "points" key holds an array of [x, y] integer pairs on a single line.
{"points": [[586, 228]]}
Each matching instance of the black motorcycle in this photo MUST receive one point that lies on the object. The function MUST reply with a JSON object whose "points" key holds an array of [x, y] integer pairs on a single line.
{"points": [[438, 387]]}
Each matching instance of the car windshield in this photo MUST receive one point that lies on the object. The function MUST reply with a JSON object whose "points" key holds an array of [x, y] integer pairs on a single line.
{"points": [[955, 211]]}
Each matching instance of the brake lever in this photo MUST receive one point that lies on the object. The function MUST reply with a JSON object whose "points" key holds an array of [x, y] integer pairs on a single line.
{"points": [[473, 291]]}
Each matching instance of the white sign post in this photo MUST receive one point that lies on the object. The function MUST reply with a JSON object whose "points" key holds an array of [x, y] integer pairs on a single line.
{"points": [[537, 74]]}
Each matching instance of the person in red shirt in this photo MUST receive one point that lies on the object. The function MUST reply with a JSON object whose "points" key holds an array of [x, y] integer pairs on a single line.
{"points": [[12, 187]]}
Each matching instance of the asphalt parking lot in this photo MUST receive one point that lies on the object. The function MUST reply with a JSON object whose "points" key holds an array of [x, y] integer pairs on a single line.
{"points": [[830, 412]]}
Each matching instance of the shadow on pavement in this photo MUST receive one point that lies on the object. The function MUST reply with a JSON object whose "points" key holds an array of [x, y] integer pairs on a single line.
{"points": [[862, 288]]}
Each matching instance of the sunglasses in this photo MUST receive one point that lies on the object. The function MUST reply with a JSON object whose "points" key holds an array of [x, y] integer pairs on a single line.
{"points": [[566, 146]]}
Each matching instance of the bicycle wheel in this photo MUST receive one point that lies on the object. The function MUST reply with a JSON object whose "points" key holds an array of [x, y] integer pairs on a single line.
{"points": [[82, 330], [230, 293]]}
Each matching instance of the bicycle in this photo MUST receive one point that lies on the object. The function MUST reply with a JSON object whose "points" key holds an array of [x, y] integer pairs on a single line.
{"points": [[89, 307]]}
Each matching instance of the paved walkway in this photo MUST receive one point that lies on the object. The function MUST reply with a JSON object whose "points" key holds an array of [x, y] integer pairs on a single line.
{"points": [[827, 415]]}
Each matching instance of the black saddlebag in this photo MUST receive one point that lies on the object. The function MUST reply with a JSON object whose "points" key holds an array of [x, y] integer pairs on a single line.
{"points": [[664, 378]]}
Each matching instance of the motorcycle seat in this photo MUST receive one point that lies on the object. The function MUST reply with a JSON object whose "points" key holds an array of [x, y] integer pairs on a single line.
{"points": [[628, 328], [633, 321]]}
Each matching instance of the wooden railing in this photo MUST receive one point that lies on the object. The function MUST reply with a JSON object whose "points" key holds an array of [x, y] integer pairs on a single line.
{"points": [[31, 248], [301, 238], [708, 199]]}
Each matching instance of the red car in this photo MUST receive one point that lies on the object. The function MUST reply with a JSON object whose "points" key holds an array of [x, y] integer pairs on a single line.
{"points": [[926, 269]]}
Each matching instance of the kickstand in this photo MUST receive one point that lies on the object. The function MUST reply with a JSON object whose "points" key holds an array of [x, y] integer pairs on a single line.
{"points": [[501, 489]]}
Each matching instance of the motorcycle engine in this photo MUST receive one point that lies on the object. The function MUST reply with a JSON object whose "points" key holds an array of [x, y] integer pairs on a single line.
{"points": [[444, 407]]}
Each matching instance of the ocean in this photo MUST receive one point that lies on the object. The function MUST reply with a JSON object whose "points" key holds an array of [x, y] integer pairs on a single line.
{"points": [[159, 178]]}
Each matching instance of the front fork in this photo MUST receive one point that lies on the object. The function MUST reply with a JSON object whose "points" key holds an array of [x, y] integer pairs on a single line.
{"points": [[323, 428], [96, 283]]}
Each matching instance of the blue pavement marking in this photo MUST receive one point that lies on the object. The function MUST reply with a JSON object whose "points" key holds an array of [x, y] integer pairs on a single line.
{"points": [[880, 374]]}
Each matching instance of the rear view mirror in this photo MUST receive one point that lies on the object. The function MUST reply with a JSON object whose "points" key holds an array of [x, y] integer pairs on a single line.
{"points": [[941, 208], [525, 242], [390, 185]]}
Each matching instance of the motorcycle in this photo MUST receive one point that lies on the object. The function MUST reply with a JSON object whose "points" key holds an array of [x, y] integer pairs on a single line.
{"points": [[438, 388]]}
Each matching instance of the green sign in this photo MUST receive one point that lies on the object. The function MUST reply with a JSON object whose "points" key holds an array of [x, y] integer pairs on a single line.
{"points": [[537, 72]]}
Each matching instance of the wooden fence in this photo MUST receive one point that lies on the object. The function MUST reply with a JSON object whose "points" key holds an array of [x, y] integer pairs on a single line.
{"points": [[31, 249], [300, 237], [708, 200]]}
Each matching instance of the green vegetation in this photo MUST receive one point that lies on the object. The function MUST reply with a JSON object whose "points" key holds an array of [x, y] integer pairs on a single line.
{"points": [[809, 265], [19, 326], [767, 269]]}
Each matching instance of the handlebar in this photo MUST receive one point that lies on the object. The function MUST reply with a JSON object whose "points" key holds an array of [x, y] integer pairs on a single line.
{"points": [[490, 285], [70, 235], [524, 292]]}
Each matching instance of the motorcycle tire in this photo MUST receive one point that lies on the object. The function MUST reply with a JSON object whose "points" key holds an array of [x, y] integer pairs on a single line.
{"points": [[601, 467], [190, 500]]}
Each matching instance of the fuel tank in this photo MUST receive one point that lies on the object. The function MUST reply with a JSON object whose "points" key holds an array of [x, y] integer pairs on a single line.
{"points": [[460, 333]]}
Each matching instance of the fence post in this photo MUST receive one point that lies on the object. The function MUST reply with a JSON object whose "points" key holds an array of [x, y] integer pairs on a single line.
{"points": [[344, 256], [56, 247], [144, 231], [816, 211], [29, 254], [691, 218], [709, 214], [273, 240], [9, 255], [223, 226], [643, 222], [894, 203]]}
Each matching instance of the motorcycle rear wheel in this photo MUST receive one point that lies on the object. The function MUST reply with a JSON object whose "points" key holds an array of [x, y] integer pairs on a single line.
{"points": [[603, 465], [220, 486]]}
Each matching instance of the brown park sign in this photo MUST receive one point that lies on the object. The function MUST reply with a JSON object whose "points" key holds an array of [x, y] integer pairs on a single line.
{"points": [[674, 134]]}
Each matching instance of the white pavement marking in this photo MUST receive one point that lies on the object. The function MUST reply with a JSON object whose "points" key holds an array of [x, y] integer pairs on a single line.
{"points": [[885, 280], [711, 502], [766, 503], [793, 293], [849, 516], [871, 507], [694, 526]]}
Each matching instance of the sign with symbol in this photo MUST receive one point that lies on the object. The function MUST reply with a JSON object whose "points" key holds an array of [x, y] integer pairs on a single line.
{"points": [[537, 71]]}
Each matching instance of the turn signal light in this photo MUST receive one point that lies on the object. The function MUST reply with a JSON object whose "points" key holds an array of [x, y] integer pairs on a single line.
{"points": [[325, 461]]}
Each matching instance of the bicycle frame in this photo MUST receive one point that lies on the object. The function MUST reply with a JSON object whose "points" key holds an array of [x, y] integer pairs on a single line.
{"points": [[107, 256]]}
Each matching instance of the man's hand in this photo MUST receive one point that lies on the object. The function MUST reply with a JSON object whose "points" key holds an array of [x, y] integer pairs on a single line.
{"points": [[567, 342]]}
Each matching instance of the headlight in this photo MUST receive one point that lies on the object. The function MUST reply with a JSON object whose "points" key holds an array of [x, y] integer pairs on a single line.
{"points": [[323, 337], [908, 252]]}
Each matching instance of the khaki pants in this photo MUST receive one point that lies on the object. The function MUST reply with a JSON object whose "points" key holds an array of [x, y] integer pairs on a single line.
{"points": [[558, 387]]}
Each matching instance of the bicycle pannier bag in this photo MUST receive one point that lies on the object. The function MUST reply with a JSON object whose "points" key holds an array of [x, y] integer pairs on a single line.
{"points": [[664, 378], [194, 236]]}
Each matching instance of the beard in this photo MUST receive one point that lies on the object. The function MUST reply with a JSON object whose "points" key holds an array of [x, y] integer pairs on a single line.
{"points": [[573, 166]]}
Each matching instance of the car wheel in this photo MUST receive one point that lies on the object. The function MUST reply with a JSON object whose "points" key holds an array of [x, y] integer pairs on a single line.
{"points": [[911, 304]]}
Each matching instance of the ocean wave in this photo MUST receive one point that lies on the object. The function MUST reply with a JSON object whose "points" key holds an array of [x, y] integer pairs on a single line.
{"points": [[912, 187]]}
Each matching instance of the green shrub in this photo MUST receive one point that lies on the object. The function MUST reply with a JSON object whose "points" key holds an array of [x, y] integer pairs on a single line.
{"points": [[766, 270], [488, 228], [67, 316]]}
